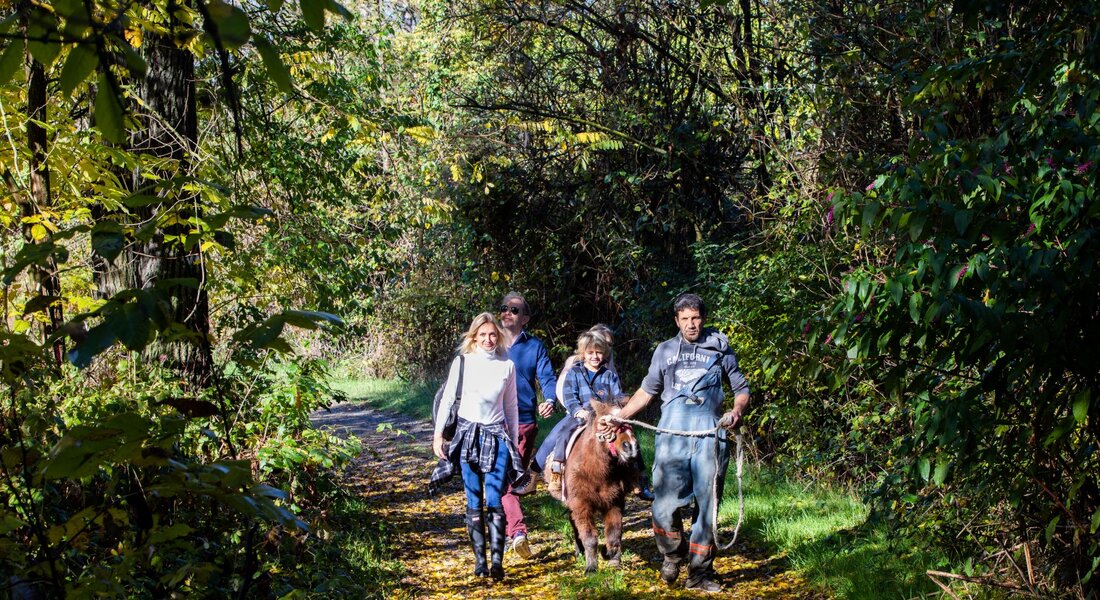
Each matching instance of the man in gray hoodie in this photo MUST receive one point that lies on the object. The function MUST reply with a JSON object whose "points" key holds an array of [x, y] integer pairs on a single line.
{"points": [[687, 372]]}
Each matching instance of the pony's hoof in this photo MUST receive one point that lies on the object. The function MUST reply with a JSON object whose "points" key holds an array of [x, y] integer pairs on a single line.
{"points": [[614, 563], [589, 569]]}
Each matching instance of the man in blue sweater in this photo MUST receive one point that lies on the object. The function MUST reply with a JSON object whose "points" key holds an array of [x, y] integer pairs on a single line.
{"points": [[532, 364]]}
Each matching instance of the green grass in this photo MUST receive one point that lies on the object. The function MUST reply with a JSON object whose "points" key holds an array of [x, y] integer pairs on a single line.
{"points": [[825, 535], [413, 399]]}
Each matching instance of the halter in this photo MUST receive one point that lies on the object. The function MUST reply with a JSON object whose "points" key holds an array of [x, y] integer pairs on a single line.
{"points": [[611, 435]]}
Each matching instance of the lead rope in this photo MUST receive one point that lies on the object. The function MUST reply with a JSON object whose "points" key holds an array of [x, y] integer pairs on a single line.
{"points": [[714, 483]]}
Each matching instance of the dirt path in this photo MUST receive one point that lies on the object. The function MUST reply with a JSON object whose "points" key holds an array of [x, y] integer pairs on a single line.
{"points": [[430, 538]]}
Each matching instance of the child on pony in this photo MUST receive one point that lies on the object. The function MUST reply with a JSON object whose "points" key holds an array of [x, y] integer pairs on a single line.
{"points": [[589, 380]]}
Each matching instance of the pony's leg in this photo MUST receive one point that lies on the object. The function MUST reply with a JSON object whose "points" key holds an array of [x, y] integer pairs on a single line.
{"points": [[613, 535], [584, 523], [578, 547]]}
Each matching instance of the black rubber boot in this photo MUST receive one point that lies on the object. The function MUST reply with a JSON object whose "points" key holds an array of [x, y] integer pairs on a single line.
{"points": [[497, 540], [475, 526]]}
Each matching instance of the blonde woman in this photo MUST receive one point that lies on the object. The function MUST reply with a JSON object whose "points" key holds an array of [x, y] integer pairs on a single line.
{"points": [[484, 445]]}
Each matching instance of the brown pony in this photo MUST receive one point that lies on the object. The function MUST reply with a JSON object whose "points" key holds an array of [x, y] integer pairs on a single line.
{"points": [[598, 476]]}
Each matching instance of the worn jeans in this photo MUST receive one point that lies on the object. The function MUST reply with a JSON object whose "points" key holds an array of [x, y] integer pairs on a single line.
{"points": [[493, 482]]}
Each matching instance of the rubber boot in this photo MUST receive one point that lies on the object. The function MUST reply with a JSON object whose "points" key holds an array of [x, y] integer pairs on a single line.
{"points": [[497, 539], [475, 526]]}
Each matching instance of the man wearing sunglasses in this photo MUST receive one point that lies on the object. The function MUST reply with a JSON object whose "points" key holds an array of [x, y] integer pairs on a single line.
{"points": [[532, 364]]}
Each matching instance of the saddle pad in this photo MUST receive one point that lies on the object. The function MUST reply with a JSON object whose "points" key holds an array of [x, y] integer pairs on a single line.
{"points": [[569, 450], [573, 440]]}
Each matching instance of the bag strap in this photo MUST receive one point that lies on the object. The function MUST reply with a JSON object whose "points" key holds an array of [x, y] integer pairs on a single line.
{"points": [[461, 368]]}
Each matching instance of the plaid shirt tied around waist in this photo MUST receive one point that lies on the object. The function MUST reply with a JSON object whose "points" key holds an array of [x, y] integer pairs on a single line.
{"points": [[476, 444]]}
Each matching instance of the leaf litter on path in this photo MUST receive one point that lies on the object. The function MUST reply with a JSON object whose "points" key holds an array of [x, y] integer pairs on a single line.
{"points": [[428, 534]]}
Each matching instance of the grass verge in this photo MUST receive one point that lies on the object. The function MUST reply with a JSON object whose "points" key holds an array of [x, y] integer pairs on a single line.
{"points": [[342, 558], [825, 535]]}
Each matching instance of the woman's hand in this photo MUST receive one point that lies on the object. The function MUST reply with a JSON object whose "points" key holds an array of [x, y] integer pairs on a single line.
{"points": [[437, 446]]}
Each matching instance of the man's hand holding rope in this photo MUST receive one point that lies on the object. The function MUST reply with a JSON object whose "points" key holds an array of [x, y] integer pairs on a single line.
{"points": [[731, 419]]}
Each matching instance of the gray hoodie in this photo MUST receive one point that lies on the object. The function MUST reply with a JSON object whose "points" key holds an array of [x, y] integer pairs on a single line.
{"points": [[677, 363]]}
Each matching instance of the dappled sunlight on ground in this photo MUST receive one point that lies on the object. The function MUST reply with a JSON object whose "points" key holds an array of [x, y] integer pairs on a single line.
{"points": [[430, 538]]}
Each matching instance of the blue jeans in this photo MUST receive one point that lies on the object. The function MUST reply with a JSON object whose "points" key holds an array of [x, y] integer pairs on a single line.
{"points": [[493, 481], [556, 440]]}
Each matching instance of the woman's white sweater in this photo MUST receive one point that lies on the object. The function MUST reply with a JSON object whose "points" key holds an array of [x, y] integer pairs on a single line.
{"points": [[488, 392]]}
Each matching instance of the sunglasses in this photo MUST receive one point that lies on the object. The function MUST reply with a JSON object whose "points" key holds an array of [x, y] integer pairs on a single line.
{"points": [[515, 310]]}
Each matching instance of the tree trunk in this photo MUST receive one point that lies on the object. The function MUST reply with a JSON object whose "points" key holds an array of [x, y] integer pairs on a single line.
{"points": [[171, 131], [168, 129], [45, 276]]}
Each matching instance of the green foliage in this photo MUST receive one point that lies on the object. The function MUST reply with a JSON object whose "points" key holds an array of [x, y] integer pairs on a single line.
{"points": [[890, 209], [973, 308], [151, 471], [119, 470]]}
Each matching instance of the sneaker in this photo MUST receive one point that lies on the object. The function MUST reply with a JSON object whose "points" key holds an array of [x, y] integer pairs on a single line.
{"points": [[521, 547], [703, 585], [670, 571]]}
